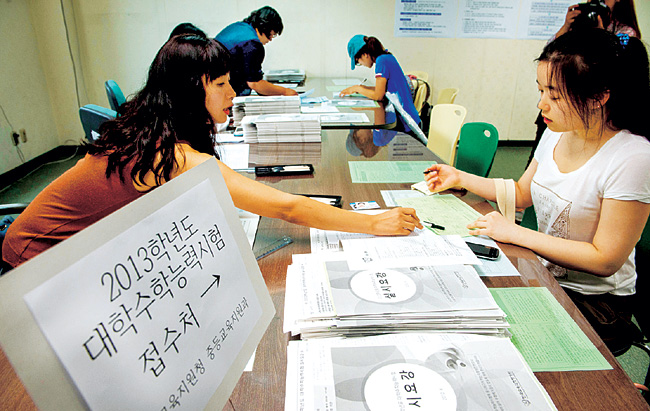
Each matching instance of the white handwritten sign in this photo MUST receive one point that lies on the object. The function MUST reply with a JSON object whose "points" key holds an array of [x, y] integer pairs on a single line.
{"points": [[156, 316]]}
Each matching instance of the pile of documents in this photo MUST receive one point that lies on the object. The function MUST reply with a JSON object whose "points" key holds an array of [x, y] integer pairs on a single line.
{"points": [[340, 295], [282, 128], [285, 76], [280, 153], [411, 371], [256, 105]]}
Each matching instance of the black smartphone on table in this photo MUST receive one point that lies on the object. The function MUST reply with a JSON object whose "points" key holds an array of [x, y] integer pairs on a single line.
{"points": [[484, 251]]}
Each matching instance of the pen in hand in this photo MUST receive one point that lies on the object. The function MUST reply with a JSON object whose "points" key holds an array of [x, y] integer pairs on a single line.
{"points": [[433, 225]]}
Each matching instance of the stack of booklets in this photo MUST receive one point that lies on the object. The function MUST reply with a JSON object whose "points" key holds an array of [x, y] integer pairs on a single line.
{"points": [[282, 128], [411, 371], [326, 298], [256, 105], [280, 153], [285, 76]]}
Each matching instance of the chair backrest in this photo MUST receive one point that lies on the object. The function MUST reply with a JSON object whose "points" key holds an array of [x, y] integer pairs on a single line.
{"points": [[444, 129], [423, 75], [114, 93], [422, 93], [447, 95], [477, 146], [642, 261], [6, 218], [92, 116]]}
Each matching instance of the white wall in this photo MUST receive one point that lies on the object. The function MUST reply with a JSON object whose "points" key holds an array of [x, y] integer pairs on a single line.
{"points": [[496, 78], [117, 39], [24, 92]]}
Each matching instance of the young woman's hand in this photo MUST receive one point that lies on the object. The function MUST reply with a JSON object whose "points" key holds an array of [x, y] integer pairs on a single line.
{"points": [[349, 90], [440, 177], [495, 226], [398, 221]]}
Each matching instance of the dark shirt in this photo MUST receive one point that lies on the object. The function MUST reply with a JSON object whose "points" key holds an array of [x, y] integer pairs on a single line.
{"points": [[247, 55]]}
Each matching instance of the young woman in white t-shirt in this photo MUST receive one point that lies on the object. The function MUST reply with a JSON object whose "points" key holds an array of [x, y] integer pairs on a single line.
{"points": [[590, 178]]}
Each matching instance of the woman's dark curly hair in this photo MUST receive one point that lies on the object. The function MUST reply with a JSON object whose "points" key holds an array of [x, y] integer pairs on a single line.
{"points": [[170, 109]]}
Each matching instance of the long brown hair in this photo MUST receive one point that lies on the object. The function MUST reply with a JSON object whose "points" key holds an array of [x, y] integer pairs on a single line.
{"points": [[169, 109]]}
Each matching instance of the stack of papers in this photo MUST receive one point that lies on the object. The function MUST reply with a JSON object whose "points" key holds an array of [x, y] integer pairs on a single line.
{"points": [[326, 298], [285, 76], [281, 153], [282, 128], [257, 105], [411, 371]]}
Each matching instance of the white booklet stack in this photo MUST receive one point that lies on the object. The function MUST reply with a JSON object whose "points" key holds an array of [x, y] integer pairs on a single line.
{"points": [[282, 128], [256, 105], [326, 298], [411, 371], [285, 76]]}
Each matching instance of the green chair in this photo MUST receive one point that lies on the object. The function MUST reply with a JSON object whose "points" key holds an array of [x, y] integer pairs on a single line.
{"points": [[92, 116], [114, 93], [477, 146]]}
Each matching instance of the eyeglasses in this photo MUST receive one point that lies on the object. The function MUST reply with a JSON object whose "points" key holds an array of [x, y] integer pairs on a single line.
{"points": [[272, 36], [356, 62]]}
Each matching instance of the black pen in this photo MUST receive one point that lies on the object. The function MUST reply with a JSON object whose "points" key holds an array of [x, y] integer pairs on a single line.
{"points": [[428, 171], [433, 225]]}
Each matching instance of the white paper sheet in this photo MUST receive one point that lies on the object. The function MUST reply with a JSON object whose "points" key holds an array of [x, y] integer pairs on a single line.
{"points": [[424, 249]]}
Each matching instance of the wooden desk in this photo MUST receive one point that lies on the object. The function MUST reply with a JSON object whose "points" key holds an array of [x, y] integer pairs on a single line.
{"points": [[264, 387]]}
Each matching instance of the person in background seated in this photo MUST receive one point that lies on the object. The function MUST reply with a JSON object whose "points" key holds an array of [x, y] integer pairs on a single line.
{"points": [[165, 130], [246, 40], [187, 28], [589, 180], [389, 77]]}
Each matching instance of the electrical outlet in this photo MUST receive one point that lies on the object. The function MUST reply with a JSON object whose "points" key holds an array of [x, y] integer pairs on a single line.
{"points": [[23, 135], [15, 138]]}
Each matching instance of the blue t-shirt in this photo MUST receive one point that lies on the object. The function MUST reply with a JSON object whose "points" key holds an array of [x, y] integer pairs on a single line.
{"points": [[247, 54], [386, 66]]}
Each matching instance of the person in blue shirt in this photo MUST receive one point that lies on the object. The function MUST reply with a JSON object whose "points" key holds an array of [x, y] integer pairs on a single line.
{"points": [[389, 77], [245, 40]]}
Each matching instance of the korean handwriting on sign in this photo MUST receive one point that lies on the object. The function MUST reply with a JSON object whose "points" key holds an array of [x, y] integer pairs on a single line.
{"points": [[229, 325], [151, 358], [154, 273], [408, 381], [186, 384]]}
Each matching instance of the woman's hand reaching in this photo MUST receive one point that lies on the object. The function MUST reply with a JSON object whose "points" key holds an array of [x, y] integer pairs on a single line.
{"points": [[440, 177], [398, 221]]}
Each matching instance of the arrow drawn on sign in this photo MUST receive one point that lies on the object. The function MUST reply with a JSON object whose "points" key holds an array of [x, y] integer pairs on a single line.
{"points": [[217, 278]]}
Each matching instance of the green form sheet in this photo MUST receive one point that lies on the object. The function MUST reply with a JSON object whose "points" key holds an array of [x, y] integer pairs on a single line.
{"points": [[387, 171], [444, 210], [545, 333]]}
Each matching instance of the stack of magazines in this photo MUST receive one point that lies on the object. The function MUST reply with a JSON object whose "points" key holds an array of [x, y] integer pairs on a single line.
{"points": [[326, 298], [282, 128], [411, 371], [285, 76], [256, 105]]}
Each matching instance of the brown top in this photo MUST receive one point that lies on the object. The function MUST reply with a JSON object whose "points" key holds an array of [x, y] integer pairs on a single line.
{"points": [[78, 198]]}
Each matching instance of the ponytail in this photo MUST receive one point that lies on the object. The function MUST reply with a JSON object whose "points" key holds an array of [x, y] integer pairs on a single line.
{"points": [[585, 65], [373, 47]]}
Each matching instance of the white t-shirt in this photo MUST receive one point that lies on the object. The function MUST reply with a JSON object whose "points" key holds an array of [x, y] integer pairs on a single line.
{"points": [[568, 204]]}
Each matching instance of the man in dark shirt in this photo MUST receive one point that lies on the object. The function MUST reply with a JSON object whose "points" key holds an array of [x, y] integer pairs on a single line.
{"points": [[245, 40]]}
